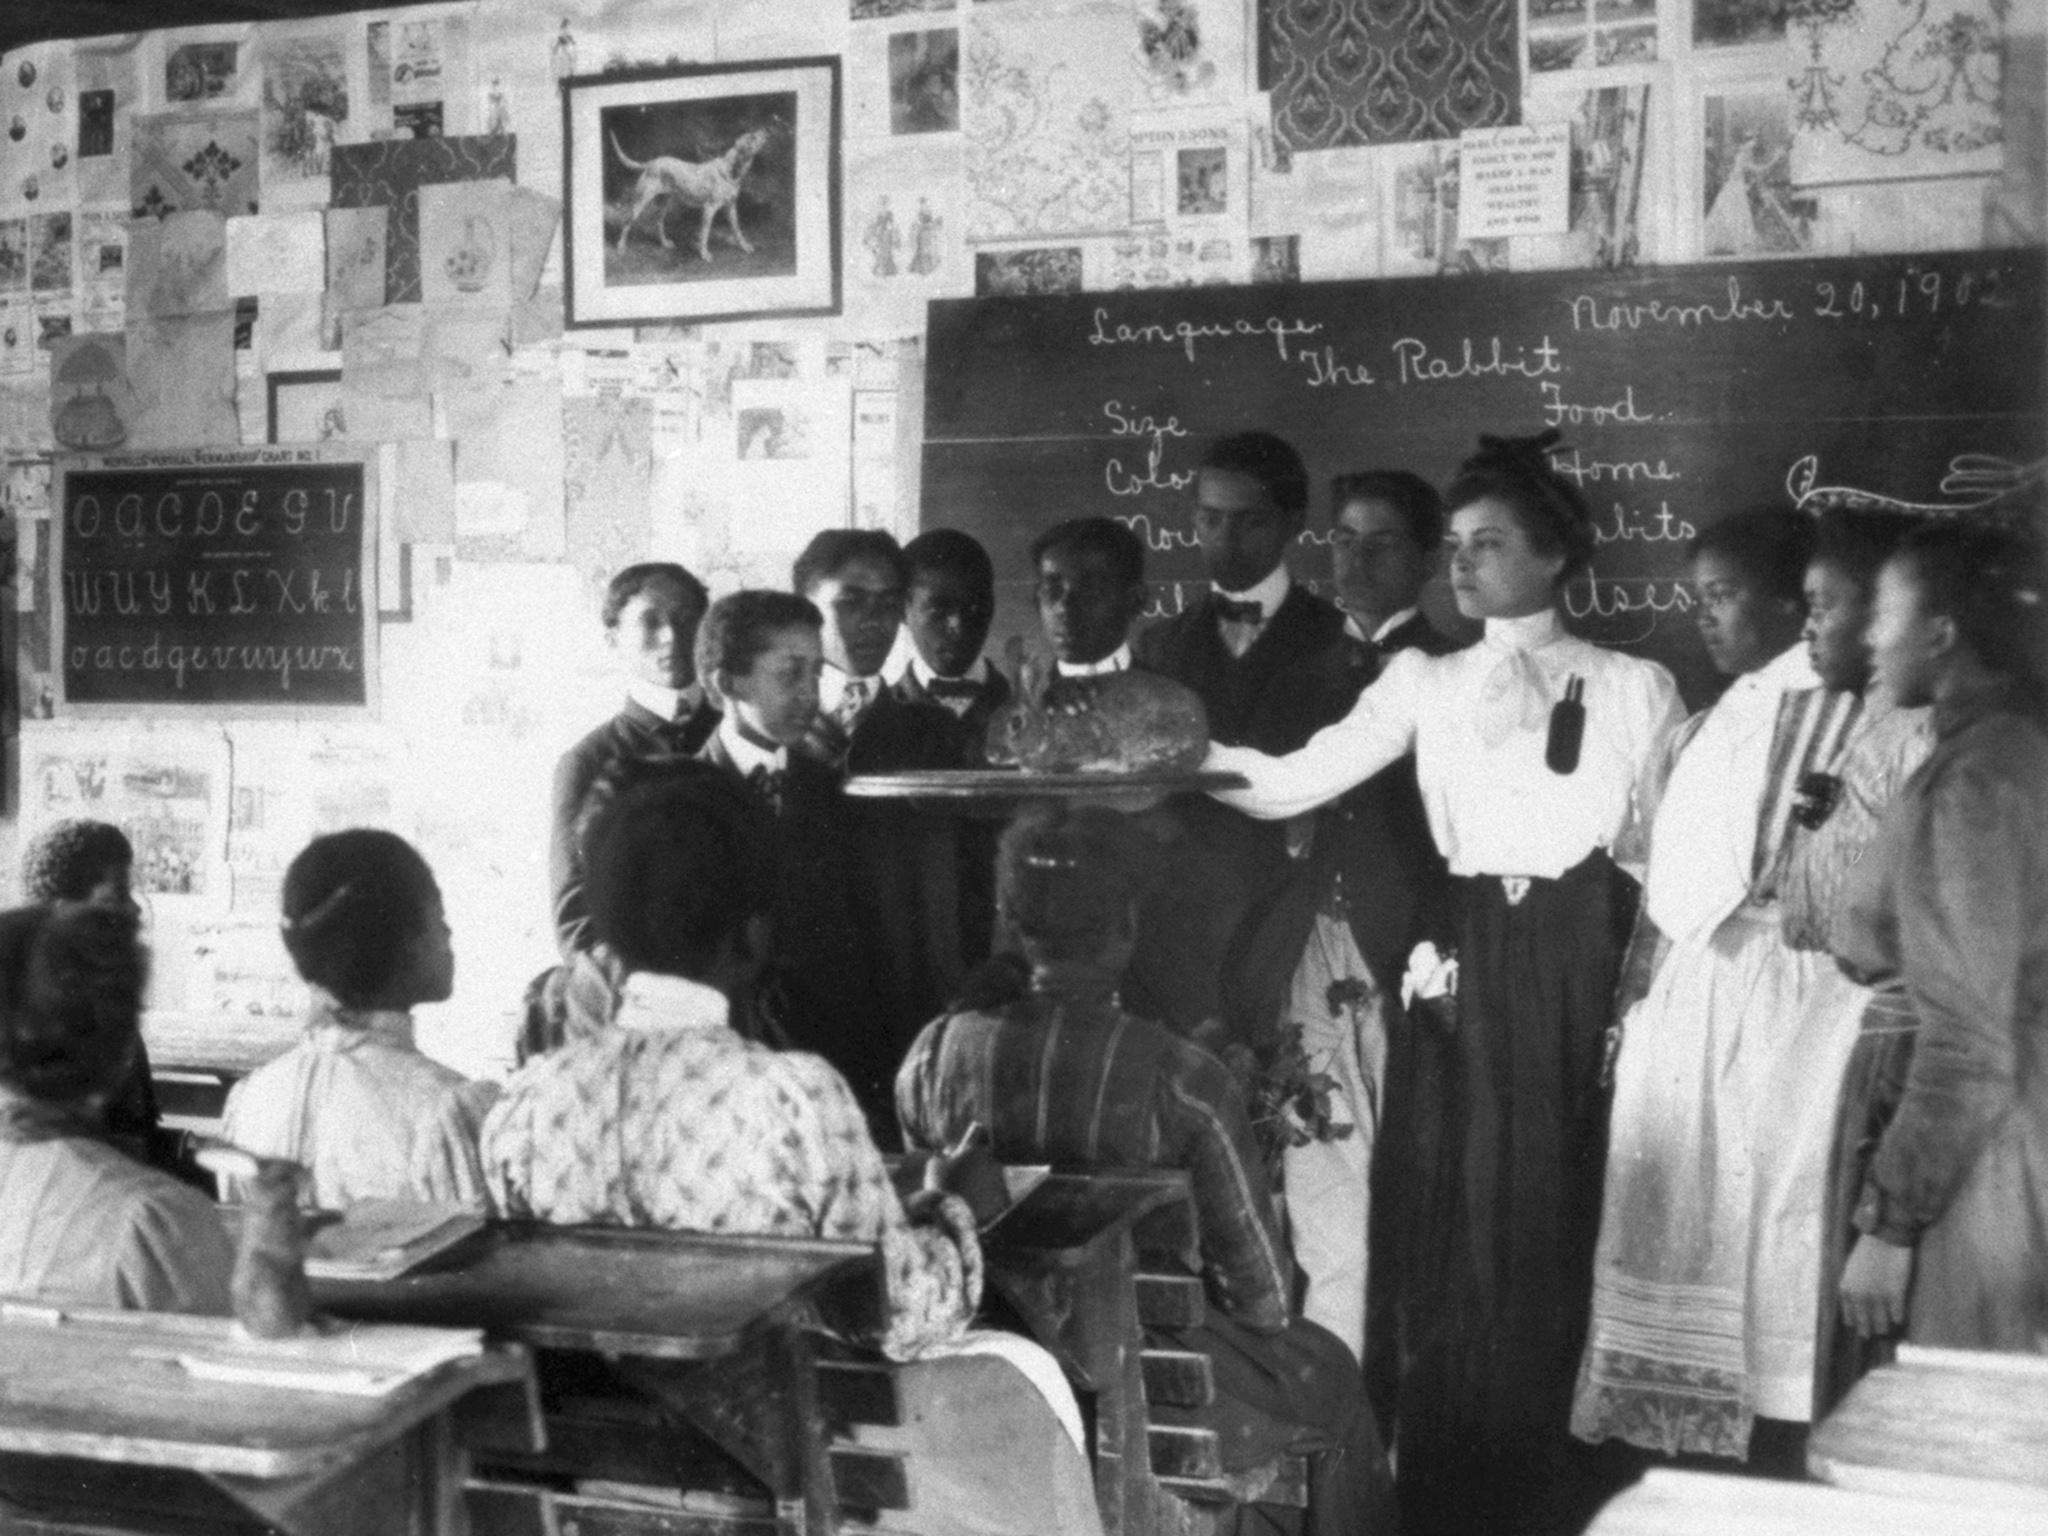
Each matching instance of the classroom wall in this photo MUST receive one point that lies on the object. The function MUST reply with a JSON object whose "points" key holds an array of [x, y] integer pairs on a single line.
{"points": [[999, 146]]}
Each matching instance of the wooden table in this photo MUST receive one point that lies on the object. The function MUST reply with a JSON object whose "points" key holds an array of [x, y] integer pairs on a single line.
{"points": [[1066, 1259], [715, 1327], [1672, 1503], [1967, 1427], [86, 1393]]}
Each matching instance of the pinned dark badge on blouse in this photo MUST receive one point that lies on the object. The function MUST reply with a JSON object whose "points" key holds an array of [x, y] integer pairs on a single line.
{"points": [[1815, 799], [1567, 728]]}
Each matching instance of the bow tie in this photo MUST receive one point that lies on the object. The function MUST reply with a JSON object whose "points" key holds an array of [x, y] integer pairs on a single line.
{"points": [[767, 783], [953, 688], [1229, 610]]}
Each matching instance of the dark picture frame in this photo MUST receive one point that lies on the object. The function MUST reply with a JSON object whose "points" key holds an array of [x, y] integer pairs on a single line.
{"points": [[705, 192]]}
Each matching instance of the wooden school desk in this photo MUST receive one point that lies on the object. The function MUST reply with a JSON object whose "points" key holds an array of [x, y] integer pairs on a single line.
{"points": [[102, 1420], [1066, 1259], [1672, 1503], [718, 1321], [1967, 1427]]}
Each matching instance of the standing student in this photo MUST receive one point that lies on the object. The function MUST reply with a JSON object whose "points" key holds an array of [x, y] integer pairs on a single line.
{"points": [[940, 868], [1680, 1354], [1835, 816], [1531, 751], [355, 1102], [856, 578], [651, 613], [1089, 582], [1948, 916], [760, 654], [1246, 648], [1368, 887]]}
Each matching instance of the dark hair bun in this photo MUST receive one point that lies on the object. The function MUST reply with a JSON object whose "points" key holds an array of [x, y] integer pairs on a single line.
{"points": [[1517, 472]]}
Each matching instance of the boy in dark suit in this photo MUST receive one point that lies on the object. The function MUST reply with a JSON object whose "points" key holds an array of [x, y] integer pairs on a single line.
{"points": [[1245, 647], [651, 613], [951, 606], [1372, 885], [856, 578], [760, 655]]}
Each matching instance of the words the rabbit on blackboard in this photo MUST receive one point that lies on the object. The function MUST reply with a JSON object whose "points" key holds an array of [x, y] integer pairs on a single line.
{"points": [[215, 579]]}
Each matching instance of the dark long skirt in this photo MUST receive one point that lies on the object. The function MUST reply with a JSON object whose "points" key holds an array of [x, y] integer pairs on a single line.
{"points": [[1872, 1086], [1509, 1151]]}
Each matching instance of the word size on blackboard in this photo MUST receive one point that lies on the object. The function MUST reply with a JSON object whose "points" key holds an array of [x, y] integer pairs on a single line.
{"points": [[236, 579]]}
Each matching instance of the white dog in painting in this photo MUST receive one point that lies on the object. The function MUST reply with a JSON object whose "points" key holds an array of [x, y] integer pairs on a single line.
{"points": [[711, 185]]}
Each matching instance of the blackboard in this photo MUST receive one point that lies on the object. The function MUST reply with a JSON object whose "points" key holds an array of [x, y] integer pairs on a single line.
{"points": [[226, 579], [1683, 393]]}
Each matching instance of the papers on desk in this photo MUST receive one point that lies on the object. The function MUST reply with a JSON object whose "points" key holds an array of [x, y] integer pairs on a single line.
{"points": [[383, 1239]]}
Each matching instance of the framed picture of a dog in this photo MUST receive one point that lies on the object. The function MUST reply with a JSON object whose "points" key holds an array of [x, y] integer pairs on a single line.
{"points": [[707, 192]]}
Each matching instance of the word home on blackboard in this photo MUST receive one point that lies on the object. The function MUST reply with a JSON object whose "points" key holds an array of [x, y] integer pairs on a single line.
{"points": [[224, 579]]}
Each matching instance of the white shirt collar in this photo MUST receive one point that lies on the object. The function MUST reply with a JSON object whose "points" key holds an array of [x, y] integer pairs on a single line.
{"points": [[1529, 632], [1118, 660], [665, 702], [746, 755], [1788, 671], [1269, 593], [649, 1001], [832, 687], [1356, 632], [978, 673]]}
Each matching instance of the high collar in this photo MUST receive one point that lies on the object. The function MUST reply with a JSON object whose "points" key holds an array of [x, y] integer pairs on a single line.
{"points": [[1387, 626], [1964, 708], [1118, 660], [332, 1025], [832, 683], [1530, 632], [1269, 593], [747, 755], [650, 1001], [27, 1119], [977, 674], [668, 704], [1789, 671]]}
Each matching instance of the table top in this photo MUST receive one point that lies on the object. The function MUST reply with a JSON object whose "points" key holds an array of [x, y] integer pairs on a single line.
{"points": [[109, 1386], [1960, 1425], [1673, 1503], [665, 1295]]}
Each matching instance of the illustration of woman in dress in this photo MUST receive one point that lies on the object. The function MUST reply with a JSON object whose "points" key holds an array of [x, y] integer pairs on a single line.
{"points": [[1749, 212], [924, 239], [882, 238]]}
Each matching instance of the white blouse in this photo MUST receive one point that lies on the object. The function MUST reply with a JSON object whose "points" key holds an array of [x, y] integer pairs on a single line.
{"points": [[1478, 722]]}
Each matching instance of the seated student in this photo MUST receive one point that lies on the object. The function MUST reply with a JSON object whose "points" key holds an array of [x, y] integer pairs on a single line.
{"points": [[1063, 1074], [856, 578], [81, 1223], [672, 1120], [355, 1103], [82, 863], [651, 613], [760, 654]]}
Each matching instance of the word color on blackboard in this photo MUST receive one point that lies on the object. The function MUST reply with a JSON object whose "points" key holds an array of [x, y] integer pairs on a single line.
{"points": [[229, 579]]}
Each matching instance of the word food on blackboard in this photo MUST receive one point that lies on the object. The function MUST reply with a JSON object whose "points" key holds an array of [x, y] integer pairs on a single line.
{"points": [[215, 579]]}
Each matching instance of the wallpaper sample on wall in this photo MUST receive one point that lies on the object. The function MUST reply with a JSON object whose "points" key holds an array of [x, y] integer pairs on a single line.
{"points": [[202, 159], [305, 110], [178, 265], [392, 172], [1891, 89], [607, 468], [182, 368], [1388, 71]]}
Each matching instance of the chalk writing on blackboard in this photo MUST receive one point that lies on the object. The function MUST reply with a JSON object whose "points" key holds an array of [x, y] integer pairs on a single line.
{"points": [[216, 579]]}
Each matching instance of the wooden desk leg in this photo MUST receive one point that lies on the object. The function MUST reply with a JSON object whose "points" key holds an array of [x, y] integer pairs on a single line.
{"points": [[1109, 1341], [794, 1361]]}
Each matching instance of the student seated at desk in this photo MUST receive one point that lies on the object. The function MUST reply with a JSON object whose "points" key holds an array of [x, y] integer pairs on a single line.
{"points": [[80, 1222], [82, 863], [673, 1120], [355, 1103], [1062, 1074]]}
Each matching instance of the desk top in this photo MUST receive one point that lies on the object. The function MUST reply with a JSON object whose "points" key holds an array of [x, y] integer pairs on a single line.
{"points": [[107, 1386], [1961, 1425], [1068, 1215], [665, 1295], [1673, 1503]]}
